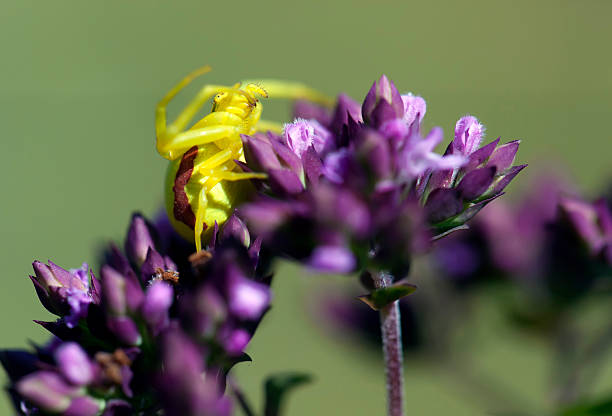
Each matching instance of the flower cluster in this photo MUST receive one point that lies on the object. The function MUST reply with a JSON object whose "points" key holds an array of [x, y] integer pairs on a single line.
{"points": [[553, 246], [149, 334], [363, 188], [359, 188]]}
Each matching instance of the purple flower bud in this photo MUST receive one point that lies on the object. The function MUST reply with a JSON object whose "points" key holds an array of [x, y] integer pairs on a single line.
{"points": [[336, 166], [303, 134], [62, 292], [457, 259], [259, 153], [286, 156], [248, 299], [507, 178], [285, 181], [153, 262], [476, 182], [74, 363], [604, 216], [395, 129], [84, 406], [205, 311], [269, 155], [235, 228], [47, 390], [266, 215], [584, 218], [442, 204], [332, 259], [343, 208], [124, 329], [236, 342], [382, 103], [414, 109], [346, 109], [468, 135], [113, 289], [121, 294], [138, 240], [157, 302], [376, 153], [186, 389], [503, 156]]}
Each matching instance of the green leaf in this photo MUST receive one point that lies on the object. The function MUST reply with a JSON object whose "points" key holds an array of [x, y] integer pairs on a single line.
{"points": [[276, 388], [599, 408], [382, 297], [452, 230], [230, 362]]}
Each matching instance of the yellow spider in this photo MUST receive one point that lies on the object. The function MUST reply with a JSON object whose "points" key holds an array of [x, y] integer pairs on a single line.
{"points": [[203, 183]]}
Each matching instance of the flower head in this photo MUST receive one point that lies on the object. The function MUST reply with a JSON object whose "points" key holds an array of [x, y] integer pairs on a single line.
{"points": [[67, 293], [117, 334], [369, 190]]}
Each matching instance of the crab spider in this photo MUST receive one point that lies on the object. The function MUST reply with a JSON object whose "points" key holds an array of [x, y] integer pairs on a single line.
{"points": [[204, 184]]}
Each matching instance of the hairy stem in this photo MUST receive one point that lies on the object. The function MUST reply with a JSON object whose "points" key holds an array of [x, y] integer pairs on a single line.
{"points": [[392, 349]]}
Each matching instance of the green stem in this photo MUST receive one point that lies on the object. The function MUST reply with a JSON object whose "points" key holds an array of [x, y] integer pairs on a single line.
{"points": [[392, 349]]}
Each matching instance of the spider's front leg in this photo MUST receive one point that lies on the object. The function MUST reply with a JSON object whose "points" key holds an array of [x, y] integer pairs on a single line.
{"points": [[291, 90]]}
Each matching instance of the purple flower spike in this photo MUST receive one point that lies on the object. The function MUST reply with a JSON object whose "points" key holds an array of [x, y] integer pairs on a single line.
{"points": [[138, 240], [355, 206], [468, 135], [74, 363]]}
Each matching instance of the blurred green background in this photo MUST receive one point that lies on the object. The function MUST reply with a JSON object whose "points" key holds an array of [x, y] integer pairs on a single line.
{"points": [[79, 82]]}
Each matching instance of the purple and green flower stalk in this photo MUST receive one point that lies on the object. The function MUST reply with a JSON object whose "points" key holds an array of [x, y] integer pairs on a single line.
{"points": [[361, 190], [156, 333]]}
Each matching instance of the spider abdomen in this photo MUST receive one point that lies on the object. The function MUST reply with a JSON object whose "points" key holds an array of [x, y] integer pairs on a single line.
{"points": [[184, 184]]}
